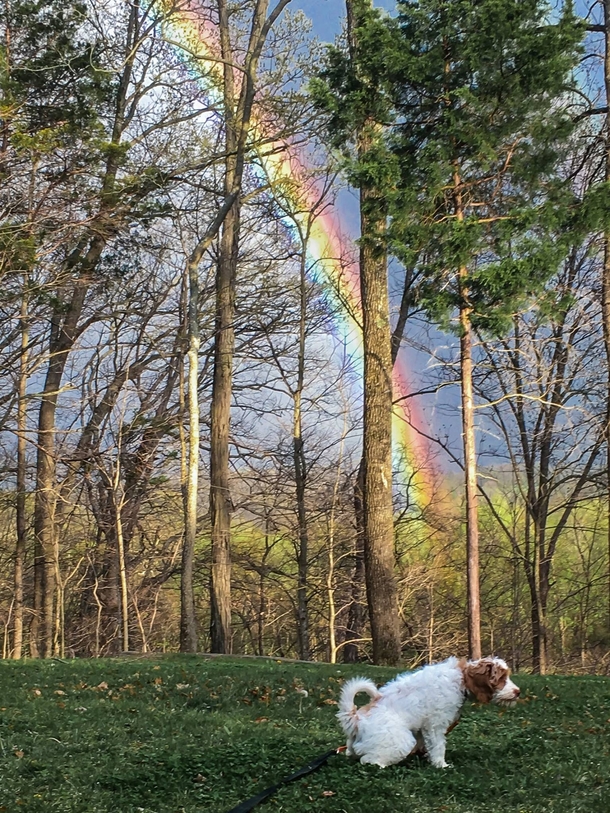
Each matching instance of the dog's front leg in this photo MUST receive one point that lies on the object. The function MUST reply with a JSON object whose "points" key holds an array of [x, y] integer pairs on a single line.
{"points": [[435, 746]]}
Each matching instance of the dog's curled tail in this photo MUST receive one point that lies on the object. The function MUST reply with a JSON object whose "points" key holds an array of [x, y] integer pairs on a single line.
{"points": [[348, 713]]}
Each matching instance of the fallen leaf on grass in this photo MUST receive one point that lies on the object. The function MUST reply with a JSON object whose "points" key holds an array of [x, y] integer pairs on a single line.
{"points": [[200, 778], [262, 720], [59, 691], [19, 754], [328, 793]]}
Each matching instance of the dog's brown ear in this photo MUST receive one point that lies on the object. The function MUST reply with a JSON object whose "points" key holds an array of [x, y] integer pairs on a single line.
{"points": [[479, 680], [499, 675]]}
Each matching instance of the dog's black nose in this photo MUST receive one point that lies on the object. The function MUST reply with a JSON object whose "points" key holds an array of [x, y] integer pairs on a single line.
{"points": [[517, 692]]}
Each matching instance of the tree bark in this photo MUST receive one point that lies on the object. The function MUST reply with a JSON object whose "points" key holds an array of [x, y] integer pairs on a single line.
{"points": [[377, 439], [237, 120], [470, 453], [21, 524], [606, 277], [379, 559], [188, 627], [222, 388], [300, 471], [116, 503], [63, 335], [356, 618], [470, 472]]}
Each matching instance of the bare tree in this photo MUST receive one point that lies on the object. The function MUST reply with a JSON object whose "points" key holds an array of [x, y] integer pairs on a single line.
{"points": [[542, 388], [238, 102]]}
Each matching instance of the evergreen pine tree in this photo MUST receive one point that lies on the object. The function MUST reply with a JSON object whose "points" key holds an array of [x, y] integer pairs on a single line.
{"points": [[481, 111], [473, 98], [357, 110]]}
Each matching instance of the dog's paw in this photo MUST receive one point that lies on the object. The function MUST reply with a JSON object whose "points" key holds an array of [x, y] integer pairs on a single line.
{"points": [[442, 764], [368, 760]]}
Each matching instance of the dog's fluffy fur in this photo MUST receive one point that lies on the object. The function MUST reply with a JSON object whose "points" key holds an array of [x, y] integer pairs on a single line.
{"points": [[415, 711]]}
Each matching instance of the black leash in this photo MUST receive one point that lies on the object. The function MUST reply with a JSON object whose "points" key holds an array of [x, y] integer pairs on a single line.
{"points": [[312, 766]]}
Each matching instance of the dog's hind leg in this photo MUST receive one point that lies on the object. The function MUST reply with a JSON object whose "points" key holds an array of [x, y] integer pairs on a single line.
{"points": [[420, 745], [349, 748], [394, 747]]}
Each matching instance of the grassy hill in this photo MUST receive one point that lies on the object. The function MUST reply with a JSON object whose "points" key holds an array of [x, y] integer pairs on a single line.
{"points": [[182, 734]]}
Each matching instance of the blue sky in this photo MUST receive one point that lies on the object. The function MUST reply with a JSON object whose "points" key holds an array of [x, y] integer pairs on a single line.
{"points": [[327, 15]]}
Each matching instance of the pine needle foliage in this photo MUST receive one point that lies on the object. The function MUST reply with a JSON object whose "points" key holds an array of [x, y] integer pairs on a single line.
{"points": [[473, 101], [483, 89]]}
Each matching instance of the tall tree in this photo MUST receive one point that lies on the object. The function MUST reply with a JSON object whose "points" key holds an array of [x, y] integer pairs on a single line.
{"points": [[238, 101], [606, 265], [478, 98], [52, 87], [551, 439], [350, 91]]}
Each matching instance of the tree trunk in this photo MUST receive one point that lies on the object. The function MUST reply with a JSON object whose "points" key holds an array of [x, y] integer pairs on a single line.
{"points": [[64, 332], [377, 441], [470, 472], [44, 508], [379, 559], [188, 628], [123, 577], [606, 278], [237, 119], [21, 523], [357, 611], [224, 345], [469, 442], [544, 587], [356, 618], [536, 624], [300, 472], [115, 504], [220, 497], [330, 576]]}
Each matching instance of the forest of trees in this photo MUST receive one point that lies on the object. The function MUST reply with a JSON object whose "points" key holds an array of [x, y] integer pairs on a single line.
{"points": [[193, 456]]}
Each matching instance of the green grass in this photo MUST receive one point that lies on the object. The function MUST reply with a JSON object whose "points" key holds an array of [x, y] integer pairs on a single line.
{"points": [[186, 734]]}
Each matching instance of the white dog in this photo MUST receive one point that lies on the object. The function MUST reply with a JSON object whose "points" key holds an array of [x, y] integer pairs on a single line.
{"points": [[416, 710]]}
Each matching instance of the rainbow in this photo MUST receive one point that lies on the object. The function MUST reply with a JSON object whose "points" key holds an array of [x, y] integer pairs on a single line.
{"points": [[332, 256]]}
